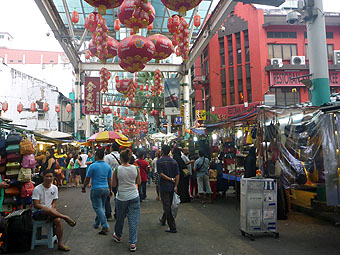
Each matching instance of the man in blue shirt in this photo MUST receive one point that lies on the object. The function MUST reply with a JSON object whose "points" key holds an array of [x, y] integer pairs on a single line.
{"points": [[167, 169], [100, 174], [201, 166]]}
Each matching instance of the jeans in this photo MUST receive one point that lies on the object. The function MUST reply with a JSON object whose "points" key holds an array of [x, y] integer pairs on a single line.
{"points": [[67, 174], [131, 209], [98, 198], [142, 190], [82, 174], [166, 198], [108, 210]]}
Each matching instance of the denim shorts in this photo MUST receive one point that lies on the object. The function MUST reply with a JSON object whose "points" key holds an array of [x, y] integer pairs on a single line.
{"points": [[39, 215]]}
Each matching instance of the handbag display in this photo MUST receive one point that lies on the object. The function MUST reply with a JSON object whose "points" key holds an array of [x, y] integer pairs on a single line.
{"points": [[2, 142], [13, 165], [13, 148], [27, 189], [13, 138], [26, 147], [13, 157], [12, 191], [12, 173], [2, 169], [28, 161], [25, 175], [3, 160]]}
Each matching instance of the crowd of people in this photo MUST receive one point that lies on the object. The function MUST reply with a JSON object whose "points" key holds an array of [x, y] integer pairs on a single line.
{"points": [[125, 175]]}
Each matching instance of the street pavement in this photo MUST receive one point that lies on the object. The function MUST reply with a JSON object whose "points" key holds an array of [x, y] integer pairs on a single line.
{"points": [[202, 229]]}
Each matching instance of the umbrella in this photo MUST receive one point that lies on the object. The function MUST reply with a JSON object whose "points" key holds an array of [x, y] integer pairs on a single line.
{"points": [[107, 136]]}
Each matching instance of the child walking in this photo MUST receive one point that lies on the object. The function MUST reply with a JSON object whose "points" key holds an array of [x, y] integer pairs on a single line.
{"points": [[213, 178]]}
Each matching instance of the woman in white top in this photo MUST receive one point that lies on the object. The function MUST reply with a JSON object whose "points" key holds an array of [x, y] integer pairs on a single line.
{"points": [[126, 177]]}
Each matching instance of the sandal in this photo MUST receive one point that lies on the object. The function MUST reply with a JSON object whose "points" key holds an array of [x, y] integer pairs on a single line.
{"points": [[133, 247], [63, 248], [71, 222]]}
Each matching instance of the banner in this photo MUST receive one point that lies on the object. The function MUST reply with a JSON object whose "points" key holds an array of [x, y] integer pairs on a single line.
{"points": [[172, 94], [92, 96]]}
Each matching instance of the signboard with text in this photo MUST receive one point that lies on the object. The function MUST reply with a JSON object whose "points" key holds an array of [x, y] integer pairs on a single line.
{"points": [[92, 96], [224, 113], [280, 78], [202, 114], [172, 95]]}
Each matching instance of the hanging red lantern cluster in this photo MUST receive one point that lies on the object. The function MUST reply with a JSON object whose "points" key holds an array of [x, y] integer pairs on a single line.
{"points": [[129, 121], [126, 111], [106, 110], [180, 30], [75, 17], [33, 107], [158, 88], [134, 52], [131, 90], [91, 22], [20, 107], [105, 76], [103, 5], [163, 46], [136, 14], [4, 106], [154, 113], [181, 6], [122, 86]]}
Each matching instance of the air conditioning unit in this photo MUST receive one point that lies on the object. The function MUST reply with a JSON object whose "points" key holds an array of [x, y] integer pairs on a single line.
{"points": [[298, 60], [337, 57], [276, 62]]}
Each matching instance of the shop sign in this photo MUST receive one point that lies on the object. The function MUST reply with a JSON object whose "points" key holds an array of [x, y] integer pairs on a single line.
{"points": [[280, 78], [201, 114], [92, 95], [172, 94], [224, 113], [179, 120]]}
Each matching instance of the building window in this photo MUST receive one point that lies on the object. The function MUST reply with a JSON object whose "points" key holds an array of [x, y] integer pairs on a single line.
{"points": [[231, 58], [232, 86], [286, 96], [205, 54], [238, 39], [247, 54], [239, 56], [249, 90], [246, 38], [222, 59], [330, 51], [284, 51], [329, 35], [281, 34], [2, 36]]}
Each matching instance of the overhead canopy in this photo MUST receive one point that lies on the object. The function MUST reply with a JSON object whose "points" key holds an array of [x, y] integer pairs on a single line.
{"points": [[55, 134]]}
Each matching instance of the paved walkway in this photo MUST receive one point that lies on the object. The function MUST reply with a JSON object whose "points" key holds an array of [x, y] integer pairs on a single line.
{"points": [[210, 229]]}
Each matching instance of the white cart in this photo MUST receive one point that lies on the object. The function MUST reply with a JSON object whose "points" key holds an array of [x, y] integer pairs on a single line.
{"points": [[258, 207]]}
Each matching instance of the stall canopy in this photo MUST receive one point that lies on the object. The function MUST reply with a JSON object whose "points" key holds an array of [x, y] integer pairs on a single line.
{"points": [[55, 134]]}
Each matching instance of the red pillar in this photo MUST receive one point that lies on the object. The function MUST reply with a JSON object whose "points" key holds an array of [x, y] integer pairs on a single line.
{"points": [[226, 54]]}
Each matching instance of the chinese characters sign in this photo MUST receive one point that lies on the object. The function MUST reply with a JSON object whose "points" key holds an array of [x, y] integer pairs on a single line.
{"points": [[92, 95]]}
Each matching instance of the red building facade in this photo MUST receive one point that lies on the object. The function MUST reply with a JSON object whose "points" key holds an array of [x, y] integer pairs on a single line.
{"points": [[255, 53]]}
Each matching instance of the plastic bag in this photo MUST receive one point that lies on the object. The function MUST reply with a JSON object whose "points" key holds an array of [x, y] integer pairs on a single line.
{"points": [[175, 202]]}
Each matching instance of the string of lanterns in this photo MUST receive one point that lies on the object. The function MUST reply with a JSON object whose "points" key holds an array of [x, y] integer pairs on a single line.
{"points": [[33, 107]]}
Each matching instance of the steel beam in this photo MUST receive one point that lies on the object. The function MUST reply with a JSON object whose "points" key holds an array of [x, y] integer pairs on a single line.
{"points": [[68, 16], [209, 29], [60, 32], [114, 67]]}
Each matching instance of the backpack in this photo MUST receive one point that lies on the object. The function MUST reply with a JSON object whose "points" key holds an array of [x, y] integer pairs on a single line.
{"points": [[27, 189], [28, 161], [25, 175], [13, 148], [13, 138], [26, 146]]}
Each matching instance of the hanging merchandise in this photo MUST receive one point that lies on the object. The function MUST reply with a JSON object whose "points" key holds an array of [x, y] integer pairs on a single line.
{"points": [[136, 14], [163, 46], [33, 107], [105, 76], [134, 52], [75, 17], [4, 106], [20, 107], [181, 6], [102, 5]]}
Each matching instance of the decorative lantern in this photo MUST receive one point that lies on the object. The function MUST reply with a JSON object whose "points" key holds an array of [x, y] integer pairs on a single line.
{"points": [[122, 86], [57, 107], [126, 111], [118, 111], [20, 107], [163, 46], [136, 49], [117, 79], [141, 87], [87, 55], [114, 113], [102, 5], [150, 27], [132, 68], [75, 17], [4, 106], [147, 87], [136, 14], [116, 25], [197, 21], [105, 76], [144, 112], [69, 108], [91, 22], [46, 107], [106, 110], [181, 6], [33, 107]]}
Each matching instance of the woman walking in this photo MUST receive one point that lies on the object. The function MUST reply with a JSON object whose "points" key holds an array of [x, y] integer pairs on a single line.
{"points": [[126, 177], [183, 184]]}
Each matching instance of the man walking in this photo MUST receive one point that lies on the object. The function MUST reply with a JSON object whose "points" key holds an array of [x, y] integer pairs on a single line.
{"points": [[100, 174], [144, 169], [83, 165], [113, 159], [168, 171], [201, 166]]}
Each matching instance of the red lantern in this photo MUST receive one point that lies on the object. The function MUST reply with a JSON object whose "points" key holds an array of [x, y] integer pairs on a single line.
{"points": [[197, 21], [69, 108], [136, 14], [4, 106], [163, 114], [132, 68], [75, 17], [20, 107], [141, 87], [46, 107], [163, 46], [181, 6], [150, 27], [33, 107], [118, 111], [57, 107], [117, 79], [122, 86], [106, 110], [144, 112], [116, 25], [126, 111], [102, 5], [147, 87], [114, 113]]}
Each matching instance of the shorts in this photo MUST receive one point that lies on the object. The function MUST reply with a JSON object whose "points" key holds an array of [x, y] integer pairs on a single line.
{"points": [[203, 182], [39, 215], [77, 171]]}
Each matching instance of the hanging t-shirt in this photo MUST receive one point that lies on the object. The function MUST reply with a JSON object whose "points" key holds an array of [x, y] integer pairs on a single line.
{"points": [[45, 195]]}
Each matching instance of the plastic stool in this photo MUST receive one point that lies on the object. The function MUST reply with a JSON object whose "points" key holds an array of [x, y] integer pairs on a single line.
{"points": [[48, 239]]}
